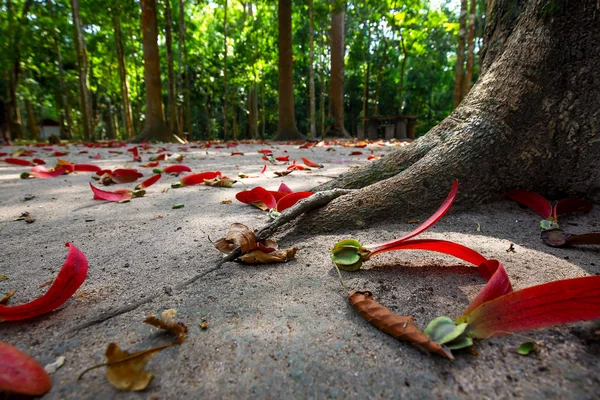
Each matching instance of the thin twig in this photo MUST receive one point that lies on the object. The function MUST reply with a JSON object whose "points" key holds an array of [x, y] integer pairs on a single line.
{"points": [[315, 201]]}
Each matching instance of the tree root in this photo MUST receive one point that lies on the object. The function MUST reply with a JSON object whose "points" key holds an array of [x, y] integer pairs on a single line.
{"points": [[317, 200]]}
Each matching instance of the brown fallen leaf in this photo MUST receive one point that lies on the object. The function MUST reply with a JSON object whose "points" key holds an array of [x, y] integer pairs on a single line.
{"points": [[43, 285], [3, 278], [398, 326], [413, 221], [127, 371], [7, 296], [283, 173], [261, 257], [167, 322], [220, 182], [239, 235], [26, 217], [226, 201]]}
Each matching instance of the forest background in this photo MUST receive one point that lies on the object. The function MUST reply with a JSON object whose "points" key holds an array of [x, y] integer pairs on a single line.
{"points": [[81, 63]]}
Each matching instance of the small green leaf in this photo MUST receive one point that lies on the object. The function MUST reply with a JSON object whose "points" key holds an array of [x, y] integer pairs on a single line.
{"points": [[157, 171], [25, 175], [460, 343], [177, 206], [177, 185], [346, 256], [527, 347], [547, 224], [443, 330], [3, 278], [138, 193]]}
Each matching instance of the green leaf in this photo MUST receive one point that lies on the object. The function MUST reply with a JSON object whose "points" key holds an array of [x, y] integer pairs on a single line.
{"points": [[527, 347], [460, 343], [443, 330], [546, 224], [177, 206]]}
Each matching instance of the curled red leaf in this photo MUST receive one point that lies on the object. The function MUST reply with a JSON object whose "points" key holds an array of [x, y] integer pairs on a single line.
{"points": [[116, 196], [177, 169], [570, 205], [532, 200], [123, 175], [283, 158], [18, 161], [70, 277], [311, 164], [291, 199], [20, 373], [197, 179], [87, 168], [149, 182], [42, 173]]}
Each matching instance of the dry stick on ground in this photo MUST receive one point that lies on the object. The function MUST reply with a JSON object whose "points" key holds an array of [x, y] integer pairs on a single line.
{"points": [[315, 201]]}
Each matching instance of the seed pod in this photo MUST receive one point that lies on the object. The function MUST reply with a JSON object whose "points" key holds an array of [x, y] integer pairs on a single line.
{"points": [[398, 326]]}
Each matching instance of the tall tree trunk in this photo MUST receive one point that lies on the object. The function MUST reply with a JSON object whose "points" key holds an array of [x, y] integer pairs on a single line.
{"points": [[402, 72], [225, 83], [34, 130], [253, 91], [82, 67], [336, 80], [129, 129], [67, 120], [155, 127], [367, 76], [170, 69], [323, 90], [180, 67], [460, 54], [380, 75], [311, 72], [287, 118], [470, 50], [529, 122], [15, 31]]}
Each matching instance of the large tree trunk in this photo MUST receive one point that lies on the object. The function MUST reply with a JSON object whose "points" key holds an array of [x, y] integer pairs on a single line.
{"points": [[460, 55], [83, 69], [123, 77], [155, 127], [225, 83], [531, 121], [34, 130], [311, 72], [470, 50], [173, 123], [336, 80], [287, 118]]}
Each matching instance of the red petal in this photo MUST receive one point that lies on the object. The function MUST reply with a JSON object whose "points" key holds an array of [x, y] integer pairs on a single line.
{"points": [[310, 163], [177, 169], [265, 151], [39, 161], [284, 188], [69, 278], [20, 373], [539, 306], [123, 175], [566, 206], [117, 195], [150, 164], [291, 199], [18, 161], [356, 153], [87, 168], [42, 173], [498, 285], [532, 200], [283, 158], [264, 168], [257, 194], [196, 179], [440, 246], [149, 182]]}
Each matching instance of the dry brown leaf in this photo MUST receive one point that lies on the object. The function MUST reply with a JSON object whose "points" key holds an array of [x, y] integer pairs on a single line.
{"points": [[239, 235], [260, 205], [398, 326], [7, 296], [260, 257], [283, 173], [127, 371], [167, 322], [226, 201], [3, 278], [220, 182], [106, 179]]}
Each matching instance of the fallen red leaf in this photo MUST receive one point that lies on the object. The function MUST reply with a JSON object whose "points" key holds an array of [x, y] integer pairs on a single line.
{"points": [[69, 278], [116, 196], [264, 168], [197, 179], [42, 173], [291, 199], [148, 182], [136, 155], [177, 169], [257, 194], [284, 188], [356, 153], [60, 153], [39, 161], [123, 175], [237, 153], [311, 164], [87, 168], [283, 158], [151, 164], [265, 151], [18, 161], [532, 200], [20, 373], [570, 205]]}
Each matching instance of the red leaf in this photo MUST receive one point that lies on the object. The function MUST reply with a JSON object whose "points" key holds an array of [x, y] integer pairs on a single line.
{"points": [[237, 153], [39, 161], [566, 206], [283, 158], [196, 179], [177, 169], [148, 182], [584, 238], [532, 200], [122, 175], [150, 164], [284, 188], [87, 168], [69, 278], [356, 153], [539, 306], [60, 153], [311, 164], [257, 194], [20, 373], [42, 173], [440, 246], [264, 168], [441, 211], [116, 196], [18, 161], [265, 151], [136, 155], [291, 199], [498, 285], [67, 166]]}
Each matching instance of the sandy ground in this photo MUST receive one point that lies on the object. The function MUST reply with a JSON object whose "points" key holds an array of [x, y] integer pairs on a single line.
{"points": [[281, 330]]}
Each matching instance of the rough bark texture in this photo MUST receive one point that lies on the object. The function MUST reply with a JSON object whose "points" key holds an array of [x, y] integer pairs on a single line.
{"points": [[123, 77], [173, 123], [33, 128], [83, 68], [531, 121], [311, 72], [460, 54], [225, 83], [155, 127], [287, 118], [336, 81], [470, 50]]}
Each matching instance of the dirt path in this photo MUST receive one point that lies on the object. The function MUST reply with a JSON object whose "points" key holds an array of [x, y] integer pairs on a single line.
{"points": [[275, 331]]}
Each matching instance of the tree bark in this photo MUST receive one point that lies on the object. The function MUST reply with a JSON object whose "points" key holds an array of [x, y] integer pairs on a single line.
{"points": [[531, 121], [180, 69], [83, 69], [460, 55], [336, 80], [470, 50], [34, 130], [311, 72], [129, 129], [155, 127], [173, 123], [287, 117]]}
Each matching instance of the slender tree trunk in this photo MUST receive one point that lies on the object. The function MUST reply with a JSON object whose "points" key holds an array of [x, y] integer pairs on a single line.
{"points": [[311, 71], [470, 50], [170, 69], [263, 127], [460, 54], [155, 127], [380, 74], [225, 83], [336, 80], [253, 90], [187, 97], [402, 72], [82, 66], [34, 130], [123, 77], [529, 122], [180, 67], [323, 90], [367, 76], [287, 118]]}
